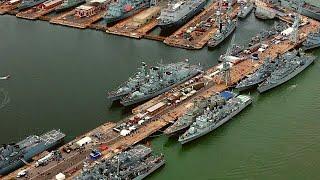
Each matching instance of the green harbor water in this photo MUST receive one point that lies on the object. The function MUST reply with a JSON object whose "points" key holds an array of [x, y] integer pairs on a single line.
{"points": [[60, 77]]}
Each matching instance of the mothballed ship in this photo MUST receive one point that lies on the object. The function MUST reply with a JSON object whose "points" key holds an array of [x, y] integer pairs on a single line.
{"points": [[245, 9], [131, 85], [136, 163], [179, 12], [293, 66], [307, 9], [313, 41], [259, 76], [212, 119], [200, 105], [14, 156], [225, 31], [161, 79], [122, 9]]}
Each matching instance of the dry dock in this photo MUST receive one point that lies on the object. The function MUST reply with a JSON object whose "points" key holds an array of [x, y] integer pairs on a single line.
{"points": [[138, 25], [196, 33]]}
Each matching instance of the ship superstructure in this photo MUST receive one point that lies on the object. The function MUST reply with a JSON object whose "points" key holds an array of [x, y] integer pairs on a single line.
{"points": [[313, 41], [161, 79]]}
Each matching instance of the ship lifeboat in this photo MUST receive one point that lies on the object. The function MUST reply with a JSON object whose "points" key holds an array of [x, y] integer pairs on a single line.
{"points": [[128, 7]]}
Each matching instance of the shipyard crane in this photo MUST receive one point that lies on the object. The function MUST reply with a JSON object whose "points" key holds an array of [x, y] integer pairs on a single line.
{"points": [[294, 36], [225, 70]]}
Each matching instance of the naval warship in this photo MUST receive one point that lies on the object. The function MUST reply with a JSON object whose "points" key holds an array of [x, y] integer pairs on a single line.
{"points": [[69, 4], [179, 12], [307, 9], [287, 71], [25, 4], [224, 31], [136, 163], [131, 85], [160, 80], [200, 105], [122, 9], [245, 9], [313, 41], [15, 155], [212, 119], [259, 76]]}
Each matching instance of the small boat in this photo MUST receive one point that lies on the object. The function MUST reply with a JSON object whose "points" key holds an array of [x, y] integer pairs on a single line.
{"points": [[5, 77]]}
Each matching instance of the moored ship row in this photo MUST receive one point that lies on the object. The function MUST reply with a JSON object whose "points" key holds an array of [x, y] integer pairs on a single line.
{"points": [[200, 105], [212, 119], [14, 156], [291, 67], [159, 79], [136, 163]]}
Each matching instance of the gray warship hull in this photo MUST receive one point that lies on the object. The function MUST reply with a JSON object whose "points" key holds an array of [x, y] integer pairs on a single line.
{"points": [[250, 86], [264, 88], [212, 44], [183, 20], [177, 131], [116, 96], [306, 48], [215, 126], [142, 176], [244, 13], [146, 97], [31, 152], [306, 10]]}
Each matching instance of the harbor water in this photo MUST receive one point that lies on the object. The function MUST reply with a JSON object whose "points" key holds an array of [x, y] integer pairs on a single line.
{"points": [[59, 79]]}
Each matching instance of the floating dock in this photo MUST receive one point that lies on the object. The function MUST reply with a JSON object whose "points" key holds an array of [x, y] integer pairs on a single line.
{"points": [[199, 35]]}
